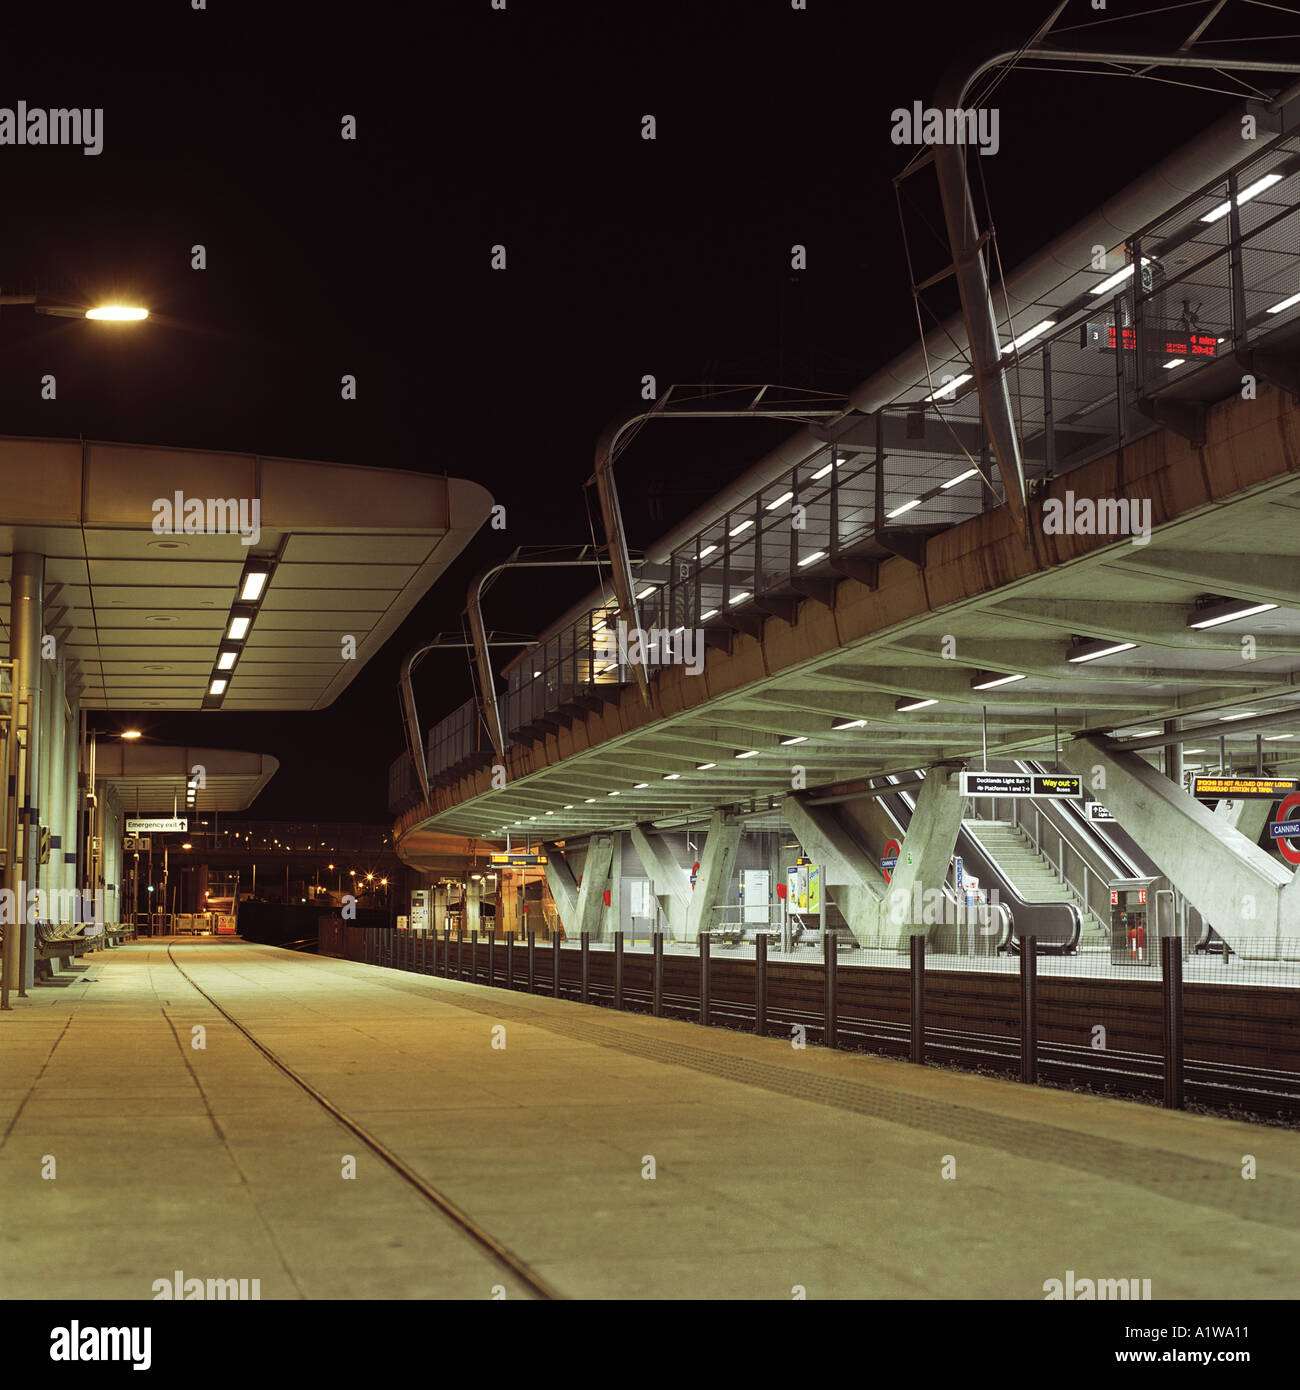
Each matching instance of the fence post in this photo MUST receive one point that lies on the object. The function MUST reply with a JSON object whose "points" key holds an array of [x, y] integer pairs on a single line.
{"points": [[918, 998], [618, 969], [1029, 1010], [510, 960], [460, 955], [532, 960], [586, 965], [704, 978], [473, 957], [1171, 973], [555, 964], [831, 970], [760, 984], [446, 952], [658, 942]]}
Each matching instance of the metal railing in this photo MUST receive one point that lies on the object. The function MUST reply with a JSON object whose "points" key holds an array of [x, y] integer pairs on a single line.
{"points": [[1209, 278]]}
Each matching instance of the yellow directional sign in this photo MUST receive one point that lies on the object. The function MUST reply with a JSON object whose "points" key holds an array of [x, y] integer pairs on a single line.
{"points": [[1244, 788], [511, 860]]}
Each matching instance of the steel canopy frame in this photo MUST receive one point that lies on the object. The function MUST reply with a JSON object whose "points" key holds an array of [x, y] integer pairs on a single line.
{"points": [[967, 243], [614, 438]]}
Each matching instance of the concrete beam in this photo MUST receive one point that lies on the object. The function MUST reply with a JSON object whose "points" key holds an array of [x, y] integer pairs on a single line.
{"points": [[926, 853], [1244, 894], [716, 866], [670, 885], [846, 866]]}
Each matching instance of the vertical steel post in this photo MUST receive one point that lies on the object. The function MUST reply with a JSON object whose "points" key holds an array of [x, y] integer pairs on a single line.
{"points": [[532, 962], [586, 966], [460, 955], [1171, 972], [1049, 415], [510, 960], [618, 969], [446, 953], [1237, 277], [658, 940], [473, 957], [831, 971], [760, 984], [555, 964], [704, 978], [918, 998], [492, 957], [1029, 1010]]}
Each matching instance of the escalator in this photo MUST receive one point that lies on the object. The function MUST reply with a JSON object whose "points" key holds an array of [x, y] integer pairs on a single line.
{"points": [[1057, 925]]}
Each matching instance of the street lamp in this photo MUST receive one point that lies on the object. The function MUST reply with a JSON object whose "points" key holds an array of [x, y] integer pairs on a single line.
{"points": [[102, 313]]}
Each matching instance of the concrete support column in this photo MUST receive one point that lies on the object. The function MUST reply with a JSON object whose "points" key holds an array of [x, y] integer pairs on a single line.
{"points": [[438, 907], [668, 879], [473, 903], [581, 906], [26, 621], [56, 779], [1239, 889], [846, 866], [926, 855], [717, 864], [71, 797]]}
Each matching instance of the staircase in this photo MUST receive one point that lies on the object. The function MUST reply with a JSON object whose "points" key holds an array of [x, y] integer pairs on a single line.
{"points": [[1032, 876]]}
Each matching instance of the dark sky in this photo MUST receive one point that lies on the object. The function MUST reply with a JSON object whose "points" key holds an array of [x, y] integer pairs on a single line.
{"points": [[625, 256]]}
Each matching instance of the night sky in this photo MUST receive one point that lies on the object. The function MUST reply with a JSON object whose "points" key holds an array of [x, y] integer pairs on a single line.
{"points": [[625, 256]]}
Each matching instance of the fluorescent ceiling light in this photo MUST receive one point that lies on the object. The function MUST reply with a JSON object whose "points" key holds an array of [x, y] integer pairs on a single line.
{"points": [[569, 806], [738, 598], [906, 507], [1090, 651], [712, 613], [587, 800], [704, 767], [641, 786], [1271, 738], [752, 753], [849, 724], [744, 526], [1197, 750], [218, 687], [1174, 362], [910, 702], [1244, 196], [707, 551], [1285, 304], [238, 628], [1119, 277], [823, 471], [950, 388], [1143, 733], [1030, 334], [254, 583], [227, 660], [607, 794], [809, 559], [647, 591], [799, 738], [986, 680], [960, 478], [1245, 714], [672, 776], [1227, 612], [784, 497]]}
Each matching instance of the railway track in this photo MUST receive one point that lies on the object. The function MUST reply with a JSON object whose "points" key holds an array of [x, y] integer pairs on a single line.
{"points": [[505, 1257]]}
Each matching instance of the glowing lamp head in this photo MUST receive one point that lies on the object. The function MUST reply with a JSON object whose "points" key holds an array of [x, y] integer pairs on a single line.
{"points": [[130, 733], [117, 313]]}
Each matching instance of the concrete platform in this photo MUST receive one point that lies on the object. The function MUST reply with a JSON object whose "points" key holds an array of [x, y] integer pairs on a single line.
{"points": [[775, 1169]]}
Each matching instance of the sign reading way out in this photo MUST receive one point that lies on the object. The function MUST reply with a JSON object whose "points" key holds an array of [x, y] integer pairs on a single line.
{"points": [[1020, 784]]}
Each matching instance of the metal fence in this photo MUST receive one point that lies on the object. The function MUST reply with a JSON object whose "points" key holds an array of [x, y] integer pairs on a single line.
{"points": [[1165, 1031]]}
